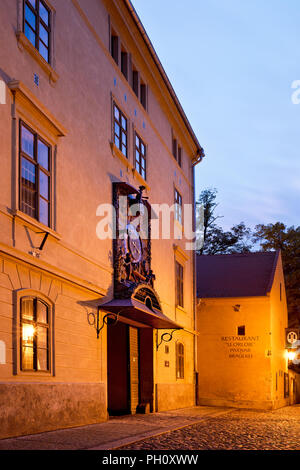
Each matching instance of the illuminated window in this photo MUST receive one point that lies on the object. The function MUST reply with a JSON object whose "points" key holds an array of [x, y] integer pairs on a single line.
{"points": [[120, 130], [35, 335], [178, 206], [37, 28], [35, 164], [140, 156], [241, 330], [179, 360]]}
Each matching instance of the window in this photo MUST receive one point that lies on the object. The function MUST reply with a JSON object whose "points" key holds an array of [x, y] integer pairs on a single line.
{"points": [[178, 206], [179, 361], [143, 95], [124, 64], [135, 82], [35, 174], [120, 130], [37, 26], [35, 335], [174, 150], [140, 156], [177, 151], [115, 48], [179, 284], [241, 331], [280, 292], [286, 385]]}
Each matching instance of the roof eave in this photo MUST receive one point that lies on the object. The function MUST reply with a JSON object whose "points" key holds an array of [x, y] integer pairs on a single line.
{"points": [[199, 150]]}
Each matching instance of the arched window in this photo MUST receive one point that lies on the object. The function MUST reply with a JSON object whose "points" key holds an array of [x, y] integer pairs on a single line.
{"points": [[35, 334], [179, 361]]}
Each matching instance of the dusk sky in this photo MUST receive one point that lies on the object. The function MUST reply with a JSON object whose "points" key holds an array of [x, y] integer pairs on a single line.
{"points": [[232, 64]]}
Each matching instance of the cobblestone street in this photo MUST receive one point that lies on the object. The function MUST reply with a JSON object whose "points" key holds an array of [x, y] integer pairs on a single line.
{"points": [[237, 430]]}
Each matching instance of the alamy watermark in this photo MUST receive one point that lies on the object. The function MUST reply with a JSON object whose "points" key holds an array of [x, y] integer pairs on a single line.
{"points": [[2, 92], [296, 94], [167, 222]]}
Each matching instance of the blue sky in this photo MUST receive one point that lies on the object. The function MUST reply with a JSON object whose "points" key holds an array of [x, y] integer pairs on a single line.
{"points": [[232, 64]]}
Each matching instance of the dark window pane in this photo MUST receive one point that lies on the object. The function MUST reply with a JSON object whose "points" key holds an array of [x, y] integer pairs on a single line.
{"points": [[43, 155], [27, 309], [28, 202], [44, 14], [42, 361], [42, 312], [44, 185], [27, 358], [44, 35], [30, 17], [27, 142], [44, 51], [32, 3], [44, 212], [28, 173]]}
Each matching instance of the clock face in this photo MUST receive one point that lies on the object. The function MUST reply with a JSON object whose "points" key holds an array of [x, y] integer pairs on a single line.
{"points": [[134, 244]]}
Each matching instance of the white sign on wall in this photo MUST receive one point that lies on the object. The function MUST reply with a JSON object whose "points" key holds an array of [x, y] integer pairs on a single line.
{"points": [[2, 353]]}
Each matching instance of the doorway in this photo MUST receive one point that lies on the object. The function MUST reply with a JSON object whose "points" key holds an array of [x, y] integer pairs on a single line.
{"points": [[129, 369]]}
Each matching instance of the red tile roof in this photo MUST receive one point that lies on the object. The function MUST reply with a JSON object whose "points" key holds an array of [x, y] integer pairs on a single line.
{"points": [[238, 275]]}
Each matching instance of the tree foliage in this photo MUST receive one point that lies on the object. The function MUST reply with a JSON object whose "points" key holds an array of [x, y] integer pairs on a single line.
{"points": [[215, 239], [287, 239]]}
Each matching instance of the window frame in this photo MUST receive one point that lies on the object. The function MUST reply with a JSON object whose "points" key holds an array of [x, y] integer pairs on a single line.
{"points": [[122, 130], [36, 12], [143, 157], [178, 205], [180, 360], [179, 284], [38, 169], [36, 324]]}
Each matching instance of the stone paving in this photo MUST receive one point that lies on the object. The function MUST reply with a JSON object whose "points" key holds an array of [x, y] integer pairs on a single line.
{"points": [[197, 428], [237, 430], [113, 433]]}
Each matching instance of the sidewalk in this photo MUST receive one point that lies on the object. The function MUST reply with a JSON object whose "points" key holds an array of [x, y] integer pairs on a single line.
{"points": [[118, 431]]}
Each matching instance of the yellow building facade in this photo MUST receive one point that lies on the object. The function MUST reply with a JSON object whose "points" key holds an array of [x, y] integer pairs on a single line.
{"points": [[86, 107], [241, 318]]}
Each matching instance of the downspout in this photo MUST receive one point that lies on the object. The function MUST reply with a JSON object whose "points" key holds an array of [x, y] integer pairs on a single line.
{"points": [[195, 161]]}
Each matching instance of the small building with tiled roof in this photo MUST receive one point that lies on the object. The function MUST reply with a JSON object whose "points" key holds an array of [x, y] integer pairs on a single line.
{"points": [[241, 321]]}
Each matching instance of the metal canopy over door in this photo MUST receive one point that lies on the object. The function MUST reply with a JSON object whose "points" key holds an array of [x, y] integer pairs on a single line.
{"points": [[134, 368]]}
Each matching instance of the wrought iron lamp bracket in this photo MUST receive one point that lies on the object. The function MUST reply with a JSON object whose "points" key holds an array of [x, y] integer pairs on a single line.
{"points": [[109, 316], [165, 337]]}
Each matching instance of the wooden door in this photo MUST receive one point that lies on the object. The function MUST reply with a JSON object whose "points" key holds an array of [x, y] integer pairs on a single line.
{"points": [[134, 368]]}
